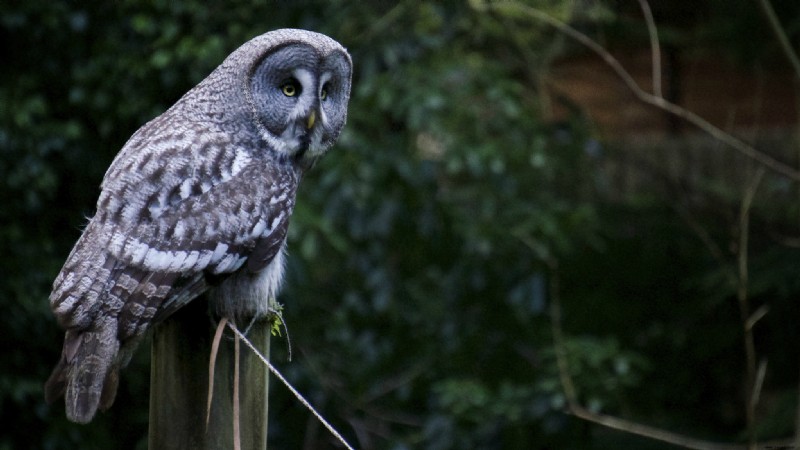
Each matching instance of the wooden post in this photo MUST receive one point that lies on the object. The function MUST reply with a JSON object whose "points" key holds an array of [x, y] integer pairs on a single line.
{"points": [[179, 385]]}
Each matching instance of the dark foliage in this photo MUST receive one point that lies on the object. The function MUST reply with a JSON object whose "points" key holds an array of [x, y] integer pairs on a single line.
{"points": [[422, 249]]}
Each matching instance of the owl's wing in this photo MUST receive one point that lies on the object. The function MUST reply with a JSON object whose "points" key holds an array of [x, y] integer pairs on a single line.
{"points": [[141, 243], [159, 230]]}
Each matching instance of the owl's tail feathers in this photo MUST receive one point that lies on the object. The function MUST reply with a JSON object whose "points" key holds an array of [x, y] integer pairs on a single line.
{"points": [[87, 374]]}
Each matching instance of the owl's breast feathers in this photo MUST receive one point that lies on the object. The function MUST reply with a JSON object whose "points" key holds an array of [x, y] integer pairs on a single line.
{"points": [[160, 230]]}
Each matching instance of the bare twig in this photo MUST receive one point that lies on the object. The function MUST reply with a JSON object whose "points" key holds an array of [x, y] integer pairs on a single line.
{"points": [[706, 239], [627, 426], [573, 405], [756, 316], [759, 382], [570, 392], [558, 339], [383, 22], [780, 34], [755, 376], [751, 398], [655, 49], [658, 434], [396, 382], [515, 8]]}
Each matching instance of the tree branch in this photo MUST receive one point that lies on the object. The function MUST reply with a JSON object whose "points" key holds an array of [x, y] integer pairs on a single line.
{"points": [[780, 34], [755, 375], [752, 388], [649, 432], [570, 392], [655, 49], [516, 9], [576, 409]]}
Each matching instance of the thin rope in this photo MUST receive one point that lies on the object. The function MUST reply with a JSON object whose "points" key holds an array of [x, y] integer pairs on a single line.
{"points": [[288, 385]]}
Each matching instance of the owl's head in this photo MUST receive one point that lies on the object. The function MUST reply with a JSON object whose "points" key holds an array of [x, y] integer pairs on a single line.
{"points": [[298, 90]]}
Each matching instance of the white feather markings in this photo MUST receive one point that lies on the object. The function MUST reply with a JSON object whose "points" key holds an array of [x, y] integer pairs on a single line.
{"points": [[65, 305], [186, 188], [275, 142], [116, 243], [240, 160], [322, 81], [204, 259], [278, 199], [259, 228], [138, 253], [271, 278], [177, 261], [179, 231], [247, 294], [219, 252], [161, 260], [276, 221], [227, 264], [191, 260], [305, 78]]}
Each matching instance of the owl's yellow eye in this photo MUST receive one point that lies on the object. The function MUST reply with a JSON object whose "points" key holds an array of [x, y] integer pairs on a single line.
{"points": [[290, 89], [323, 94]]}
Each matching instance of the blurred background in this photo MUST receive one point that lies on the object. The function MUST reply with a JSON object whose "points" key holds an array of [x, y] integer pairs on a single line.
{"points": [[502, 218]]}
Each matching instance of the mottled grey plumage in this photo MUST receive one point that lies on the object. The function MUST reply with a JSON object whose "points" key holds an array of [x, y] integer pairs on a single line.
{"points": [[198, 197]]}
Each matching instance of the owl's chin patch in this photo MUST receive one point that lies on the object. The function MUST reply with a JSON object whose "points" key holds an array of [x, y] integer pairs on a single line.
{"points": [[295, 139], [313, 147]]}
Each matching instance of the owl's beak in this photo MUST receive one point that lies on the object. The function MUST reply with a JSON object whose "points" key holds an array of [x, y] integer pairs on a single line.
{"points": [[311, 119]]}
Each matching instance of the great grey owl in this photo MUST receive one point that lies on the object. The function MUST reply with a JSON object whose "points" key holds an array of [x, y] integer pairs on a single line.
{"points": [[197, 200]]}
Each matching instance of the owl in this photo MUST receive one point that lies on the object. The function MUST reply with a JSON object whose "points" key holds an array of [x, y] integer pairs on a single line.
{"points": [[197, 201]]}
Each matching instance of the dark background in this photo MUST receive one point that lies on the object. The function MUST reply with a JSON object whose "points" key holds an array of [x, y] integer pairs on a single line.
{"points": [[486, 158]]}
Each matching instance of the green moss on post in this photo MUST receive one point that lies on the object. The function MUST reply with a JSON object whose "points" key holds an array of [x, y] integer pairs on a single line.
{"points": [[179, 385]]}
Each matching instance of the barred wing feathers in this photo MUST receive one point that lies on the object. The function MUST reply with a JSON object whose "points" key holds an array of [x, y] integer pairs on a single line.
{"points": [[160, 229]]}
